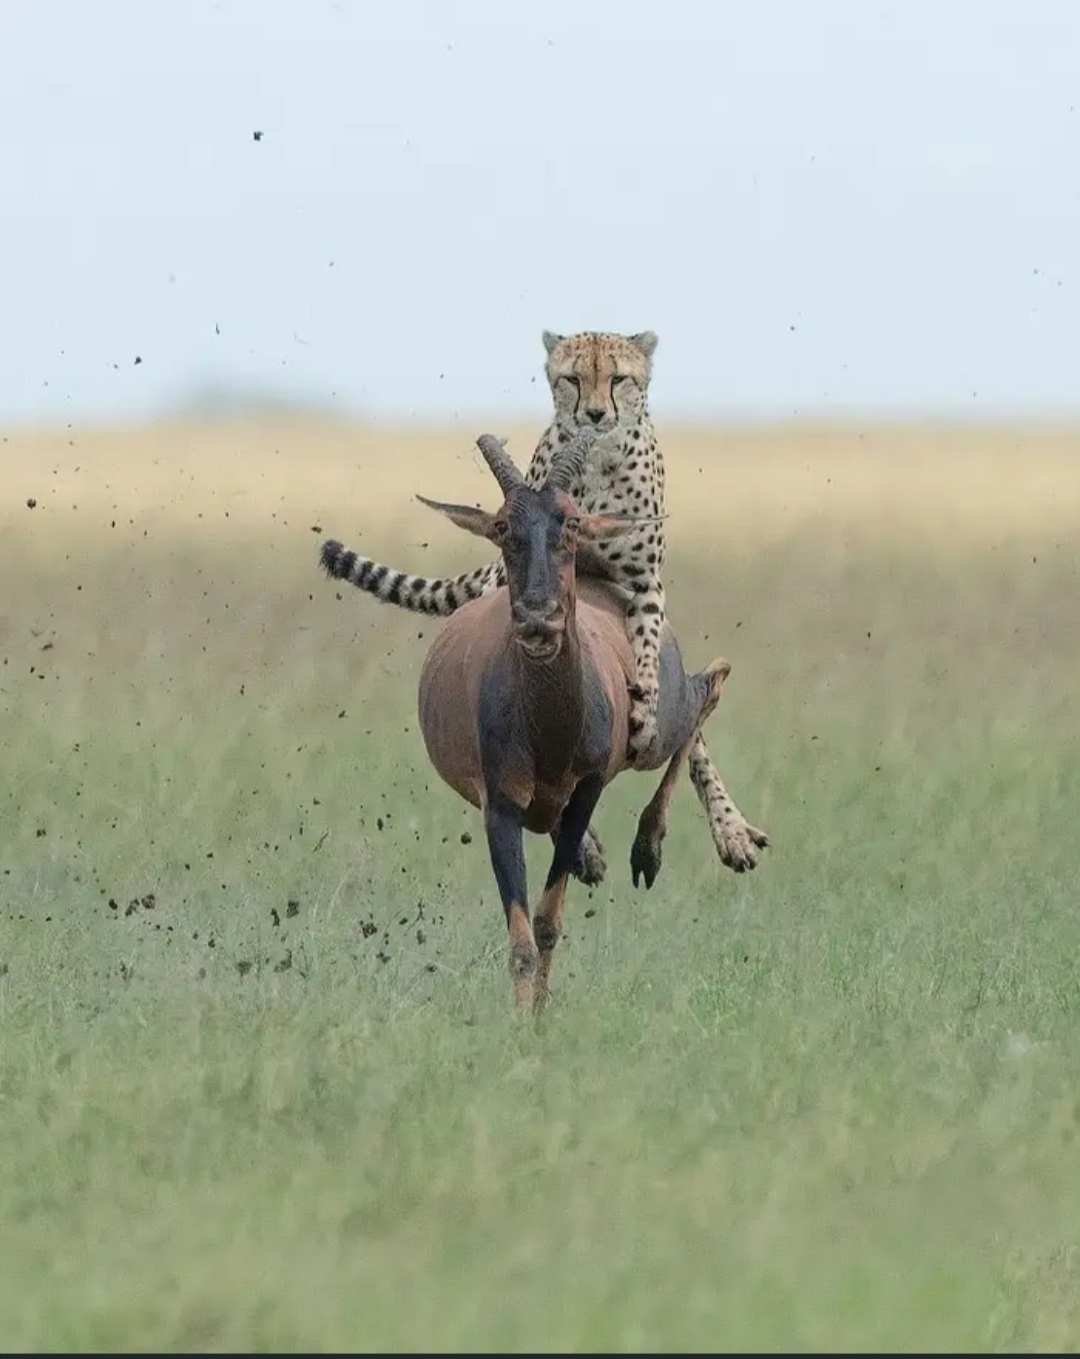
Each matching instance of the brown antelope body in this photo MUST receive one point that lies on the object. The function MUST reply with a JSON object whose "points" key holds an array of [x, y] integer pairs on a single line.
{"points": [[524, 702]]}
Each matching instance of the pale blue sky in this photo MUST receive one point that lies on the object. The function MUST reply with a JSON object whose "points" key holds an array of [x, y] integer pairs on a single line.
{"points": [[821, 206]]}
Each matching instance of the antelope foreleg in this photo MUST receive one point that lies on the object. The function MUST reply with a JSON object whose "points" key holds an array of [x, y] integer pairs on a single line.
{"points": [[502, 821], [549, 913], [589, 864]]}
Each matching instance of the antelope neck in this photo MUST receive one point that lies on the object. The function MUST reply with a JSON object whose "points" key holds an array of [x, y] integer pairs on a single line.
{"points": [[551, 698]]}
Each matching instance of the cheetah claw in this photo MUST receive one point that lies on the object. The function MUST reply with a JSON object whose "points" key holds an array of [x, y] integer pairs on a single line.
{"points": [[737, 843]]}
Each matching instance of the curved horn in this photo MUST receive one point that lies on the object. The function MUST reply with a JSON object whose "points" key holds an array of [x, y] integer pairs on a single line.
{"points": [[500, 462], [570, 459]]}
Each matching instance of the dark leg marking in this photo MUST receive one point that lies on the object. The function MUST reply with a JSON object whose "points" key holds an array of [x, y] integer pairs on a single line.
{"points": [[502, 822]]}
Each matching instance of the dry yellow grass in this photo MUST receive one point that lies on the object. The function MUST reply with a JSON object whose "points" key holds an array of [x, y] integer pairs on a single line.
{"points": [[745, 486]]}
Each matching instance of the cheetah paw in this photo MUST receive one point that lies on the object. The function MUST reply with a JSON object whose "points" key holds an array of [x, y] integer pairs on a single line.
{"points": [[737, 843]]}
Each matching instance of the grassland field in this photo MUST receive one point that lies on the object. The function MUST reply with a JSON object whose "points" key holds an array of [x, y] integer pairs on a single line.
{"points": [[261, 1086]]}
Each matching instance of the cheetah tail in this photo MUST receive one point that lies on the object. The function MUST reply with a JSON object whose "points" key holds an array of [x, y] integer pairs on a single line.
{"points": [[418, 594]]}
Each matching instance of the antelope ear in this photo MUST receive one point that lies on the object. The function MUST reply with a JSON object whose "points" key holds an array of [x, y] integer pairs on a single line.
{"points": [[646, 341], [467, 517], [550, 340], [593, 526]]}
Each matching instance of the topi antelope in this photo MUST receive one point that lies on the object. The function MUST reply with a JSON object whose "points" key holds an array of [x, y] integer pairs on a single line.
{"points": [[524, 699]]}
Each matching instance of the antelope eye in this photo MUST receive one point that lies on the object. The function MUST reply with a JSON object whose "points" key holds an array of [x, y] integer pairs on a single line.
{"points": [[500, 529], [571, 525]]}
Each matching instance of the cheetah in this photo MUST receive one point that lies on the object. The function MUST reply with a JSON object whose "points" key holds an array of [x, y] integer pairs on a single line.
{"points": [[599, 382]]}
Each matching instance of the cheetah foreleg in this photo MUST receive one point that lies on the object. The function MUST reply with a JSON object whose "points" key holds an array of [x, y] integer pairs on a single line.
{"points": [[644, 623]]}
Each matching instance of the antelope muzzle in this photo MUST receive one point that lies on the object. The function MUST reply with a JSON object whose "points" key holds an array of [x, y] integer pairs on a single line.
{"points": [[539, 628]]}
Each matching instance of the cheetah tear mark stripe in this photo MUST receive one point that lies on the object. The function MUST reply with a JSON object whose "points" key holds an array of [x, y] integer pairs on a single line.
{"points": [[418, 594]]}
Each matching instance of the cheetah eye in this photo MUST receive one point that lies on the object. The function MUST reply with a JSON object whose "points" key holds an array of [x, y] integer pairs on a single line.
{"points": [[619, 378], [573, 380]]}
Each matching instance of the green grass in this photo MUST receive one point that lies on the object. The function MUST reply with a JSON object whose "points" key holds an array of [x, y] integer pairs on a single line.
{"points": [[833, 1104]]}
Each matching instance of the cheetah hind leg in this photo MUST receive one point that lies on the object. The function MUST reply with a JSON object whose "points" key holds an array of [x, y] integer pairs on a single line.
{"points": [[737, 842]]}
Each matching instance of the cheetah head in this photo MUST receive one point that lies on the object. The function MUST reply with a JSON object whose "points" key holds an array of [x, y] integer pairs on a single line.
{"points": [[599, 381]]}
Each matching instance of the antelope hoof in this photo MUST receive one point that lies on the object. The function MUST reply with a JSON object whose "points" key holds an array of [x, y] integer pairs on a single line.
{"points": [[523, 973], [646, 855], [589, 864], [737, 843]]}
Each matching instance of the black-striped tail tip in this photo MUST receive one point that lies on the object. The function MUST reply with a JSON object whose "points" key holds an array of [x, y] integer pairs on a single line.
{"points": [[335, 559]]}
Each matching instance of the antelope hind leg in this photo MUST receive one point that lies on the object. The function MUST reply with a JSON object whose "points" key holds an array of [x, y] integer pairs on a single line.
{"points": [[646, 854]]}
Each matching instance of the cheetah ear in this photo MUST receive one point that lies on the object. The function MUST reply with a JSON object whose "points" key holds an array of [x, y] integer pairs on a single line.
{"points": [[646, 341], [551, 340]]}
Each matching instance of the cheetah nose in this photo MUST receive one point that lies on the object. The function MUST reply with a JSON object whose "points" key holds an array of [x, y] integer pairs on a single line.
{"points": [[596, 414]]}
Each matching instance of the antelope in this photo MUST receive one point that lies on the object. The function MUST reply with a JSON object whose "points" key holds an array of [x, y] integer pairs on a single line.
{"points": [[524, 698]]}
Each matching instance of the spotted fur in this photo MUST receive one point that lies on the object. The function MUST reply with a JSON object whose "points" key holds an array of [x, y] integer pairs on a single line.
{"points": [[599, 381]]}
